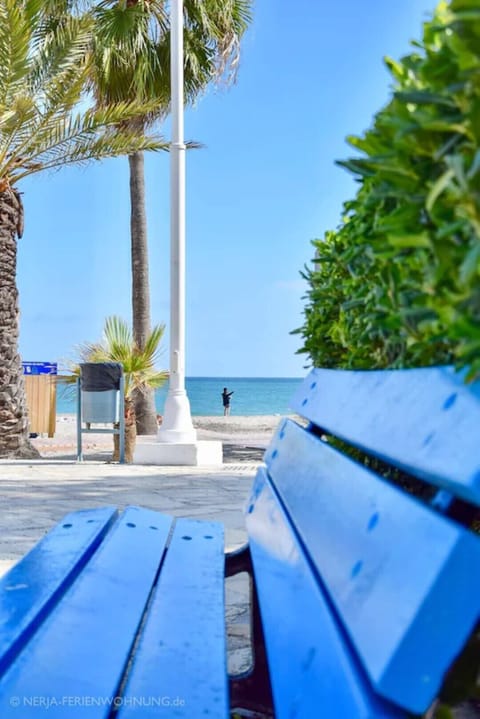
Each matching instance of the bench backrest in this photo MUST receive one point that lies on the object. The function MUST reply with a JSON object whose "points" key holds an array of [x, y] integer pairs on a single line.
{"points": [[373, 591]]}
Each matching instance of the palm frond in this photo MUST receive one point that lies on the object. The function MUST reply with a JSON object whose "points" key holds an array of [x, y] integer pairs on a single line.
{"points": [[117, 345], [58, 48], [152, 344], [220, 24], [15, 38], [45, 55], [132, 49], [92, 135], [125, 64]]}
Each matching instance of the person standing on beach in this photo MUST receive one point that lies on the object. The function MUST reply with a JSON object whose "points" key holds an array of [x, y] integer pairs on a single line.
{"points": [[226, 401]]}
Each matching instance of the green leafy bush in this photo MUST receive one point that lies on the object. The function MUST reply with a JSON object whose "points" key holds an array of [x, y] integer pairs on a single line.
{"points": [[398, 283]]}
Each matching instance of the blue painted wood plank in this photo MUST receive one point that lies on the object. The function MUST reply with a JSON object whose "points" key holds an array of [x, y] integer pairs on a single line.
{"points": [[424, 420], [403, 579], [313, 670], [33, 586], [77, 658], [181, 658]]}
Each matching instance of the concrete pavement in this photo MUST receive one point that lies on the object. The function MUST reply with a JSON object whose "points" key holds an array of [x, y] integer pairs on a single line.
{"points": [[37, 494]]}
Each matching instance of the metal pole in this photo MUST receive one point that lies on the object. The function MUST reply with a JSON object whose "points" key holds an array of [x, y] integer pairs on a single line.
{"points": [[121, 422], [177, 424], [79, 421]]}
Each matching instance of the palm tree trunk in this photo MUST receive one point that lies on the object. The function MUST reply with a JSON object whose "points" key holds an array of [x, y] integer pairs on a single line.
{"points": [[145, 400], [14, 441], [130, 434]]}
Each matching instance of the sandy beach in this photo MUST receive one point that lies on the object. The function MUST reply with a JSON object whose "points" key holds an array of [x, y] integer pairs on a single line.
{"points": [[244, 438]]}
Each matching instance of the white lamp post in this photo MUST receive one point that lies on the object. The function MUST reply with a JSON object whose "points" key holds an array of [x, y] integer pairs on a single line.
{"points": [[176, 441], [177, 424]]}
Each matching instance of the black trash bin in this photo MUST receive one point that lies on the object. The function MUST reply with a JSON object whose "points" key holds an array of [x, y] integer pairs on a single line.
{"points": [[99, 385]]}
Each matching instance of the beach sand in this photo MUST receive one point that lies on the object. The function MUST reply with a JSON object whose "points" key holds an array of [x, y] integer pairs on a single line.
{"points": [[244, 438]]}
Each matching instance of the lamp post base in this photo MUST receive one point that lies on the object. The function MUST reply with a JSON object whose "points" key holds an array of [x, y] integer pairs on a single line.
{"points": [[177, 426], [148, 450], [176, 442]]}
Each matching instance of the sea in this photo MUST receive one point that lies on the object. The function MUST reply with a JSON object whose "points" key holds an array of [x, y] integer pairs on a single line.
{"points": [[251, 395]]}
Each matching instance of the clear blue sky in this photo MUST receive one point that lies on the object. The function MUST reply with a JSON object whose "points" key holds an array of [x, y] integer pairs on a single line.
{"points": [[264, 185]]}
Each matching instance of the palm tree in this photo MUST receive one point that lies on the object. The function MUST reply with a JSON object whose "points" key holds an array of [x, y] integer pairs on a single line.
{"points": [[131, 60], [43, 71], [118, 345]]}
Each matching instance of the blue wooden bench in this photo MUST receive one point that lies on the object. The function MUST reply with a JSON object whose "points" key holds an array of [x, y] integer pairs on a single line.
{"points": [[363, 595]]}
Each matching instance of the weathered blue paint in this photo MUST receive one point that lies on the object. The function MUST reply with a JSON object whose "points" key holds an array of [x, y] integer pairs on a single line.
{"points": [[82, 647], [34, 585], [313, 671], [395, 570], [181, 657], [423, 420]]}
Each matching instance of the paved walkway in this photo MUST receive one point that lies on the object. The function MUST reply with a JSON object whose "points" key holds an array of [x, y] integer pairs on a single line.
{"points": [[36, 495]]}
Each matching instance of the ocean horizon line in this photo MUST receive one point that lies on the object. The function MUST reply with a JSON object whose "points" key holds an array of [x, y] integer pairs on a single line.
{"points": [[250, 395], [241, 377]]}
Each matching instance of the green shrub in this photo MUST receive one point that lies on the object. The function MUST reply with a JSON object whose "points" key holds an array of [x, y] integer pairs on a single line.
{"points": [[398, 283]]}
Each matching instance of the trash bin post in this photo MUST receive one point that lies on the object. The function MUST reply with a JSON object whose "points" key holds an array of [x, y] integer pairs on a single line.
{"points": [[122, 420], [79, 422]]}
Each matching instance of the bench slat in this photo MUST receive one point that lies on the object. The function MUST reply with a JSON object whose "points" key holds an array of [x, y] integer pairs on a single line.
{"points": [[81, 650], [181, 656], [32, 586], [423, 420], [313, 671], [399, 575]]}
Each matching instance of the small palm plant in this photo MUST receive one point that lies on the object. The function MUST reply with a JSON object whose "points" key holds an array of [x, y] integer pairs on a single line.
{"points": [[44, 68], [118, 345]]}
